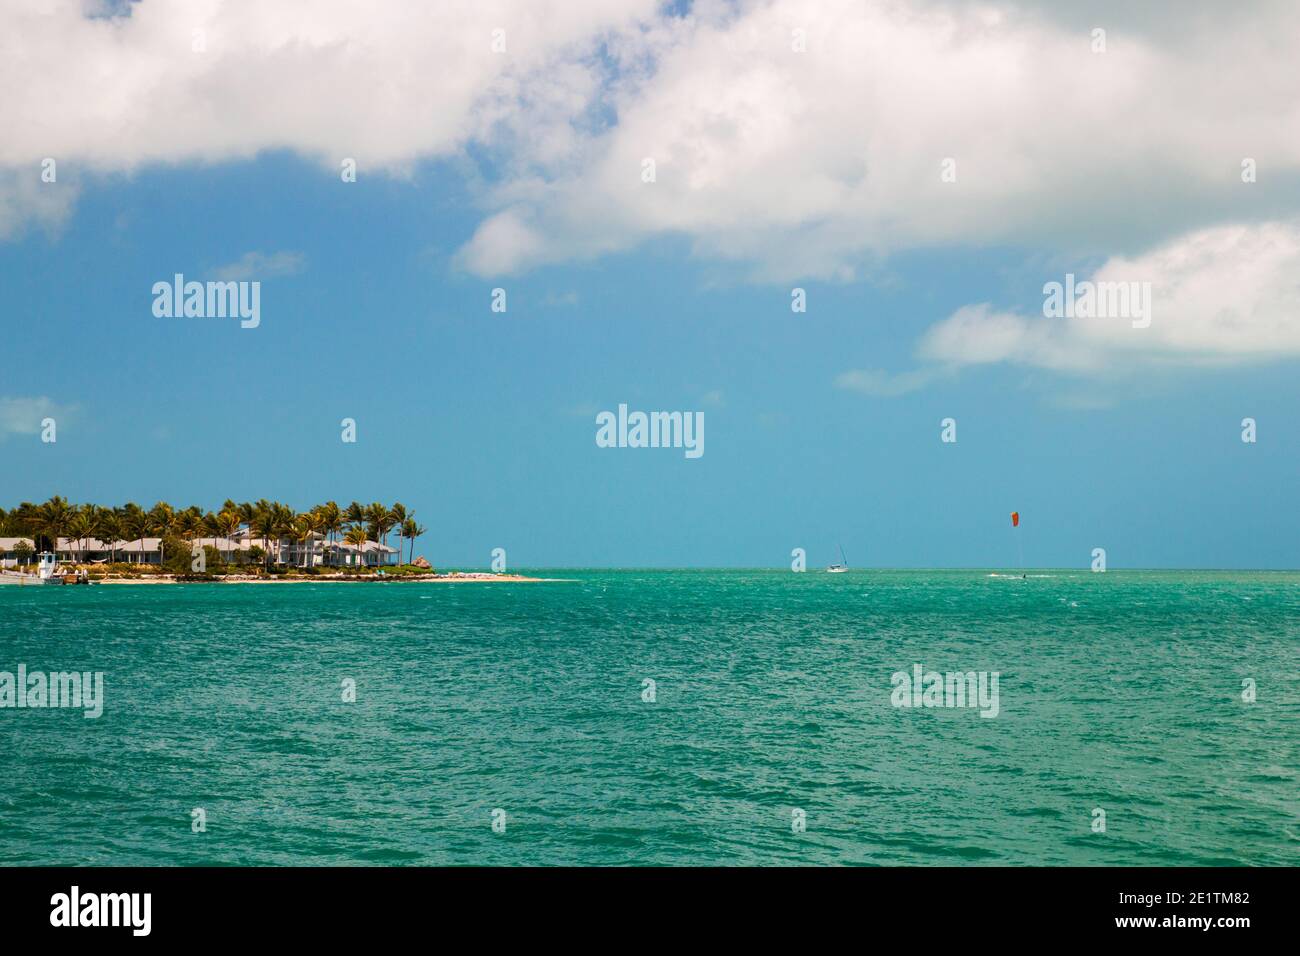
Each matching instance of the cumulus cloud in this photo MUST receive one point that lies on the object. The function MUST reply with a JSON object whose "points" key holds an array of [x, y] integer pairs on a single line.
{"points": [[838, 146], [501, 244], [110, 88], [813, 163], [1224, 295], [795, 138]]}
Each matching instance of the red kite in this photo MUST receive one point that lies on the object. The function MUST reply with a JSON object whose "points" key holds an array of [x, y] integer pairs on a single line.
{"points": [[1015, 519]]}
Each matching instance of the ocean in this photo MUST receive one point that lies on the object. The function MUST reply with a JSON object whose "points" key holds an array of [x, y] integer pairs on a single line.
{"points": [[661, 717]]}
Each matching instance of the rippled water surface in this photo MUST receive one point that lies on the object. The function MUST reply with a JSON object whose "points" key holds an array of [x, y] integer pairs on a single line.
{"points": [[1120, 691]]}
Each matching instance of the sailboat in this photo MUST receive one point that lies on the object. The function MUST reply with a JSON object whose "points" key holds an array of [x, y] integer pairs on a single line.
{"points": [[842, 566]]}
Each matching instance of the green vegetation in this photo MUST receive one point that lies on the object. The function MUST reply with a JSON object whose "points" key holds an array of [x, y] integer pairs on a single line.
{"points": [[179, 528]]}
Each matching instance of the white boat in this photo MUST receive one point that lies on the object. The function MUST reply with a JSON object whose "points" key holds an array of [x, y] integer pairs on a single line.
{"points": [[842, 566], [47, 568], [47, 572]]}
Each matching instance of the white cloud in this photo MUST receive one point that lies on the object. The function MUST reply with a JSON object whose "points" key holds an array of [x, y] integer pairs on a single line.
{"points": [[387, 84], [979, 335], [789, 164], [500, 244], [813, 163], [1224, 295], [25, 199], [257, 265], [23, 416], [883, 384]]}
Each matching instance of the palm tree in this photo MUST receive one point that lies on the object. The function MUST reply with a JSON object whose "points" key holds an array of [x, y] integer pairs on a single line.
{"points": [[57, 520], [412, 530], [110, 529], [399, 515], [54, 518], [266, 524], [301, 530], [192, 524], [84, 524], [137, 523], [357, 537], [214, 529], [25, 520], [284, 516], [331, 520], [227, 525], [210, 525], [380, 520], [312, 520], [163, 518]]}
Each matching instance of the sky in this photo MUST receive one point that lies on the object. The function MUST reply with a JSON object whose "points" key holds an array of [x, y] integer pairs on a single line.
{"points": [[921, 171]]}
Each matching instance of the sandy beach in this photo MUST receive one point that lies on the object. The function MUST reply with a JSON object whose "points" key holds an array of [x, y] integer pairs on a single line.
{"points": [[335, 579]]}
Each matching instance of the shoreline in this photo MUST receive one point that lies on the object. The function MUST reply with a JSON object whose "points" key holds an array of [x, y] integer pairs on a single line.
{"points": [[483, 577], [432, 579]]}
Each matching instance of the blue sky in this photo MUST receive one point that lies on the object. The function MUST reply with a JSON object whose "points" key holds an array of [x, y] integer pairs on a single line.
{"points": [[484, 423]]}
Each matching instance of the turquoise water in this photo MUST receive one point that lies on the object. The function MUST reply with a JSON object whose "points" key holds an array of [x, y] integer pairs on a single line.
{"points": [[1120, 691]]}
